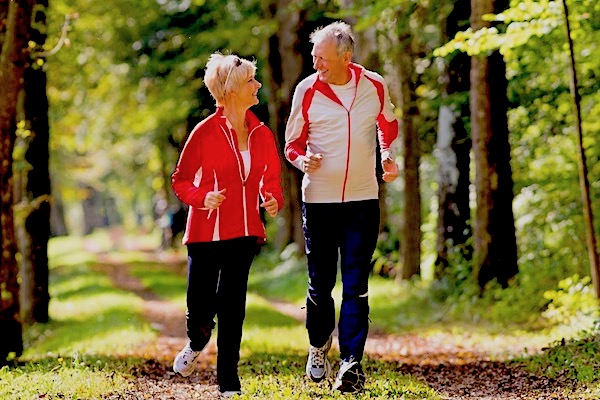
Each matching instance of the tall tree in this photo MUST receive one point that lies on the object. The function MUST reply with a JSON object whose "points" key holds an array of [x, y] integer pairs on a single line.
{"points": [[454, 146], [35, 297], [400, 47], [584, 183], [286, 68], [15, 17], [495, 238]]}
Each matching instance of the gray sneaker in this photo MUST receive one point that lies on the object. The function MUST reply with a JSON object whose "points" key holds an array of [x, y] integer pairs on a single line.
{"points": [[318, 366], [185, 362]]}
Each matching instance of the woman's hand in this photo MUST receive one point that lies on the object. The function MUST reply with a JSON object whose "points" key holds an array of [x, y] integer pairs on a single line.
{"points": [[213, 200], [270, 205]]}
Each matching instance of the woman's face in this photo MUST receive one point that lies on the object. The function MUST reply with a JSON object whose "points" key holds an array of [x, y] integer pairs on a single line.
{"points": [[247, 92]]}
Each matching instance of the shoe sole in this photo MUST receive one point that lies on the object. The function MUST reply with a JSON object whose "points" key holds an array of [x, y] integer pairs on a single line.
{"points": [[230, 394], [347, 386], [351, 388], [182, 373]]}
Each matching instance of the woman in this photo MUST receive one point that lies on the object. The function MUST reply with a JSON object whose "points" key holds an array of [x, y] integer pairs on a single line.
{"points": [[229, 160]]}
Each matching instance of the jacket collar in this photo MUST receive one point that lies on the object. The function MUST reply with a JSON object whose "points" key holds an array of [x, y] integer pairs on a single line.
{"points": [[325, 88], [358, 73]]}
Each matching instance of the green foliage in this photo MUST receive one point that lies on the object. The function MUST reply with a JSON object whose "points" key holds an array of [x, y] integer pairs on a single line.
{"points": [[456, 280], [573, 303], [577, 359], [527, 20], [547, 206], [281, 276], [386, 255]]}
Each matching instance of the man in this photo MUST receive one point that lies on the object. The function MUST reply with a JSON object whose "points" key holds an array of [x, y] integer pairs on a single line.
{"points": [[338, 115]]}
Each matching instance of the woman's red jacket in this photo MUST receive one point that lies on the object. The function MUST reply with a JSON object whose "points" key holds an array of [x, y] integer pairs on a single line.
{"points": [[210, 161]]}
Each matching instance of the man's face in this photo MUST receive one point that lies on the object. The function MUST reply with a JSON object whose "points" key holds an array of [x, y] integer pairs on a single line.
{"points": [[331, 67]]}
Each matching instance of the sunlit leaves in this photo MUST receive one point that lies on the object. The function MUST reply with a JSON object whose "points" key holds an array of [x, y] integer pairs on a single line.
{"points": [[528, 19]]}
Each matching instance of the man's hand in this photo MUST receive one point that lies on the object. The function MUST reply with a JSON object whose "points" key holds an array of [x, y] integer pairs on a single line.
{"points": [[390, 170], [213, 200], [311, 163], [270, 205]]}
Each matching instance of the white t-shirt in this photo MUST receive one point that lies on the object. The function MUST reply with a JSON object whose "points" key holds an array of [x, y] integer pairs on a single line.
{"points": [[246, 158], [345, 92]]}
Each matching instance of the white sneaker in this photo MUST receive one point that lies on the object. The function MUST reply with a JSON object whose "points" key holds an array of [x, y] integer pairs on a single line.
{"points": [[231, 393], [351, 377], [185, 362], [318, 366]]}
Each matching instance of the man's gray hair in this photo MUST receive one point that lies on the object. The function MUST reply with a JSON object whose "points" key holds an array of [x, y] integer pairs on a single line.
{"points": [[340, 32]]}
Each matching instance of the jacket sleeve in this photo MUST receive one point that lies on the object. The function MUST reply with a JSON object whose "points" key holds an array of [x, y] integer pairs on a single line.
{"points": [[271, 181], [387, 123], [296, 130], [187, 180]]}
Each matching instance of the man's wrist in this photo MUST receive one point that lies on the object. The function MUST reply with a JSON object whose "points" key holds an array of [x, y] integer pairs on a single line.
{"points": [[388, 155]]}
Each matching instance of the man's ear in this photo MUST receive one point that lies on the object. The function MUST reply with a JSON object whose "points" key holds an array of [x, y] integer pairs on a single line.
{"points": [[347, 57]]}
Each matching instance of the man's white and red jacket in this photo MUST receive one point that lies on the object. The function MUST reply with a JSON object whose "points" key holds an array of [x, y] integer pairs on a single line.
{"points": [[210, 161], [347, 138]]}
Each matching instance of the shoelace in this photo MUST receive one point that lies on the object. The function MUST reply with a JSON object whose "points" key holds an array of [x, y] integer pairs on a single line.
{"points": [[318, 358], [190, 353]]}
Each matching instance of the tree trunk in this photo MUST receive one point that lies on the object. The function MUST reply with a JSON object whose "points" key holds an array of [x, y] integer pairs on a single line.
{"points": [[58, 225], [453, 151], [400, 67], [13, 58], [287, 67], [495, 238], [584, 184], [37, 221], [411, 235]]}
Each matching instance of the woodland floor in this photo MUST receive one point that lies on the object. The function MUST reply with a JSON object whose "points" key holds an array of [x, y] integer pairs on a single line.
{"points": [[454, 368]]}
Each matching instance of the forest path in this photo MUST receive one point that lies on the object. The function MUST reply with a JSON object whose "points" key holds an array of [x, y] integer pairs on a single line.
{"points": [[455, 368]]}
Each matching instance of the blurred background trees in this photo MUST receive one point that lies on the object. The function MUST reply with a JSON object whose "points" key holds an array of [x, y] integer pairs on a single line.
{"points": [[489, 196]]}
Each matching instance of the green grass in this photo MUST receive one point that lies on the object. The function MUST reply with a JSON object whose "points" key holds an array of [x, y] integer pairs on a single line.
{"points": [[274, 376], [577, 359], [85, 351], [60, 379]]}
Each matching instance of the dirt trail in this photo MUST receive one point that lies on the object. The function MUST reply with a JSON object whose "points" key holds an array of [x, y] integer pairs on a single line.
{"points": [[456, 369]]}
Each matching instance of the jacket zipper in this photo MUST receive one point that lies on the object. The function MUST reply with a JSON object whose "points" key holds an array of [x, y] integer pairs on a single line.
{"points": [[229, 135], [347, 159], [246, 177]]}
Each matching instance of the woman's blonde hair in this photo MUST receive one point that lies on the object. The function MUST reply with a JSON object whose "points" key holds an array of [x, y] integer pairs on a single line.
{"points": [[225, 73]]}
